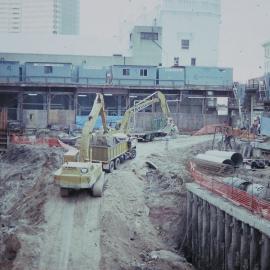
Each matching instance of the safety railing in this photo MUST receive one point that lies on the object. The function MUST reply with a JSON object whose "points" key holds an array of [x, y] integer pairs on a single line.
{"points": [[49, 79], [239, 197]]}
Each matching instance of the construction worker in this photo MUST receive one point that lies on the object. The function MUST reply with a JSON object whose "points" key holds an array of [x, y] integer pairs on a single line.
{"points": [[227, 139]]}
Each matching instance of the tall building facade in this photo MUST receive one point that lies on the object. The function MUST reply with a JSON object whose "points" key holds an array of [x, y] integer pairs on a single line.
{"points": [[267, 57], [190, 30], [39, 16]]}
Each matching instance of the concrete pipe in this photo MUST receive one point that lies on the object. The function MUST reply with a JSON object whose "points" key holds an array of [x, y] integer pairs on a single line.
{"points": [[236, 158], [215, 159], [237, 182]]}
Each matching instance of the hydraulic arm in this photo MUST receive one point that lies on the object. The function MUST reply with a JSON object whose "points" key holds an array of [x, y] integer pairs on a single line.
{"points": [[156, 97]]}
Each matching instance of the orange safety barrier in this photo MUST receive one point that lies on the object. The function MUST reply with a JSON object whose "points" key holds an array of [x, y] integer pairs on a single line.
{"points": [[51, 142], [236, 196], [208, 129]]}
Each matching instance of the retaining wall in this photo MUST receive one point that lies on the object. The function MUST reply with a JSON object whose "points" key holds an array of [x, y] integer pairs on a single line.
{"points": [[224, 236]]}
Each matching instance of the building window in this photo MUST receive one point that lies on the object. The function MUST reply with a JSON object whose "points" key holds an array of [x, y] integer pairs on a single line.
{"points": [[185, 44], [126, 71], [149, 35], [176, 61], [143, 72], [193, 61], [48, 69]]}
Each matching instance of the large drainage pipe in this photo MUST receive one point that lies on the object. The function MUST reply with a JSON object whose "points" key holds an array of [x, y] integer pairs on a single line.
{"points": [[215, 159], [235, 157]]}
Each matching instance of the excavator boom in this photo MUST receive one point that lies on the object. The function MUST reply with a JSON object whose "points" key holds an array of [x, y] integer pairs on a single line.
{"points": [[156, 97], [98, 108]]}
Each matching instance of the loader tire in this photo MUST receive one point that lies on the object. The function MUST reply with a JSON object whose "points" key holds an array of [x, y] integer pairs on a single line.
{"points": [[98, 187]]}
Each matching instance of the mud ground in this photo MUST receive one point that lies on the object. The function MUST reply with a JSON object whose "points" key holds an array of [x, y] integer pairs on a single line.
{"points": [[139, 223]]}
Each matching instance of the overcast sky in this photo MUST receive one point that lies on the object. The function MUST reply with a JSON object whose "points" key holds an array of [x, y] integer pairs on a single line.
{"points": [[244, 28]]}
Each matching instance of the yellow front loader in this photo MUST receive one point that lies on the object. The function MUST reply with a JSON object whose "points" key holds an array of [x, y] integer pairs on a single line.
{"points": [[78, 170]]}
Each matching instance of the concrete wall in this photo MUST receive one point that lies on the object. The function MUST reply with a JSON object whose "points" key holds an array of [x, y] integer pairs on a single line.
{"points": [[61, 117], [39, 118], [222, 236], [184, 121], [35, 118], [196, 21], [146, 51]]}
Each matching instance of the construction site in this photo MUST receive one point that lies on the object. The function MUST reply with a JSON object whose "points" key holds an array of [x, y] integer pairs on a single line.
{"points": [[144, 161]]}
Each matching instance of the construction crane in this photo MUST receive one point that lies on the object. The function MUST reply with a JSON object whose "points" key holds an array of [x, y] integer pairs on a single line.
{"points": [[78, 172], [156, 97]]}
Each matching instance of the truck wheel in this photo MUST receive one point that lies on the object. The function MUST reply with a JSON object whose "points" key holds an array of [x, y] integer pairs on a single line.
{"points": [[64, 192], [148, 138], [116, 163], [152, 136], [111, 167], [122, 158], [133, 153]]}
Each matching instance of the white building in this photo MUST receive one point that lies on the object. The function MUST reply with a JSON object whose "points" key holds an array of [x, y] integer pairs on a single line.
{"points": [[145, 45], [266, 57], [39, 16], [190, 32]]}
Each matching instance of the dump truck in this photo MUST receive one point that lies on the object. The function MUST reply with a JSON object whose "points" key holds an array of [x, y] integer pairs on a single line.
{"points": [[169, 129], [112, 149]]}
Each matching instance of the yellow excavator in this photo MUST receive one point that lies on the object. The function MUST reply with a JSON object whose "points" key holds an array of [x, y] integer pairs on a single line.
{"points": [[99, 151], [157, 97], [78, 172]]}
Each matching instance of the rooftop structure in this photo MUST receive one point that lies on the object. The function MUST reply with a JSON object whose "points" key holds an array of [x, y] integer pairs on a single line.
{"points": [[190, 32], [145, 45]]}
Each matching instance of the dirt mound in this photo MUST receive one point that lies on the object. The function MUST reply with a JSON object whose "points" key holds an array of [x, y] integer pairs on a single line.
{"points": [[25, 179]]}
